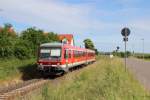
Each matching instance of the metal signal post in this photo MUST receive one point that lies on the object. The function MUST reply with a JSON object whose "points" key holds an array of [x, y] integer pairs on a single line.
{"points": [[143, 47], [125, 33]]}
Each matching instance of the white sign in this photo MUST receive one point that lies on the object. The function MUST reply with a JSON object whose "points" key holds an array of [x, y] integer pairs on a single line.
{"points": [[111, 56], [55, 52], [45, 51]]}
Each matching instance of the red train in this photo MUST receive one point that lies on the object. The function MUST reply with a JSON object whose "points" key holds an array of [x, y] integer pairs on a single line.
{"points": [[56, 58]]}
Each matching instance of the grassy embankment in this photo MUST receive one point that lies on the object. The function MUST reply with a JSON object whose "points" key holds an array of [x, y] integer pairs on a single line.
{"points": [[140, 56], [104, 80], [16, 70]]}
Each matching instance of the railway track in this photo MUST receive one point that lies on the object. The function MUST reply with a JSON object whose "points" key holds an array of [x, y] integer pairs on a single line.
{"points": [[9, 93], [21, 89]]}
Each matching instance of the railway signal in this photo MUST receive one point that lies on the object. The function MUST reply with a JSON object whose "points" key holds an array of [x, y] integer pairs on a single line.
{"points": [[125, 32], [117, 48]]}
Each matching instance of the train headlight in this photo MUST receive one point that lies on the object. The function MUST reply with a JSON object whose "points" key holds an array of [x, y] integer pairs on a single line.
{"points": [[58, 64], [40, 66]]}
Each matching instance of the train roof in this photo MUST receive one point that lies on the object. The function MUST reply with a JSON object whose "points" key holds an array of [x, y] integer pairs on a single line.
{"points": [[51, 45], [57, 44]]}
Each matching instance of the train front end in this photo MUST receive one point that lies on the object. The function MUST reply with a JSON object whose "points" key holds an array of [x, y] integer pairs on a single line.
{"points": [[50, 58]]}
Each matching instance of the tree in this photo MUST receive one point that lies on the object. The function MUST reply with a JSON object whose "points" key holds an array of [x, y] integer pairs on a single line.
{"points": [[7, 41], [51, 37], [8, 25], [8, 30], [22, 49], [121, 54], [96, 52], [25, 45], [89, 44], [35, 37]]}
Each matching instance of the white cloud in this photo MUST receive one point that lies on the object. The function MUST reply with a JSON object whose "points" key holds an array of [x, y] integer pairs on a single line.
{"points": [[53, 15], [142, 25], [48, 14]]}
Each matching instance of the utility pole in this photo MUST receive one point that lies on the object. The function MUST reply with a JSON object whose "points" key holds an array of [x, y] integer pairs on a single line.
{"points": [[125, 54], [125, 33], [143, 46], [133, 50]]}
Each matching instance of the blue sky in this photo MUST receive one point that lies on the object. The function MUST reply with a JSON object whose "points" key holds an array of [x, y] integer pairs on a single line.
{"points": [[100, 20]]}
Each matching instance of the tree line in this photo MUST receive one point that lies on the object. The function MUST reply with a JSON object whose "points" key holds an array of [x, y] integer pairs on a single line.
{"points": [[24, 44], [88, 43]]}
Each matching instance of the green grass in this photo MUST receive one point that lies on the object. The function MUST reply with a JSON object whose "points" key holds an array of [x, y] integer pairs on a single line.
{"points": [[104, 80], [140, 56], [15, 68]]}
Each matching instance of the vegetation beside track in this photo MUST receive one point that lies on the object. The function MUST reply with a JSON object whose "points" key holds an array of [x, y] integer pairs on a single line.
{"points": [[18, 51], [140, 56], [106, 79], [15, 69]]}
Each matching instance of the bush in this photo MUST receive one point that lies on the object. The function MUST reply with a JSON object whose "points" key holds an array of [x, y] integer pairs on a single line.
{"points": [[24, 46], [21, 52], [22, 49], [6, 45], [6, 52], [140, 56], [121, 54], [35, 37]]}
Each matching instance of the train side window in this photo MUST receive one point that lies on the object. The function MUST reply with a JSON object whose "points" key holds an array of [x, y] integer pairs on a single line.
{"points": [[76, 54], [69, 53], [82, 53], [79, 53], [66, 54]]}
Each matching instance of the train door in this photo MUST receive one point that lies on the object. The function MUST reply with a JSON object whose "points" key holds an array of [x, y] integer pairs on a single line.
{"points": [[86, 57], [72, 57], [68, 58]]}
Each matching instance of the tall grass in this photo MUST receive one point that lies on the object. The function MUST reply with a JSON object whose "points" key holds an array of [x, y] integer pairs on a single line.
{"points": [[45, 92], [12, 68], [104, 80]]}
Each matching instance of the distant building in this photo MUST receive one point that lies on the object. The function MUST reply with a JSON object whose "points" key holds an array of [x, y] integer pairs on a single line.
{"points": [[9, 30], [66, 38]]}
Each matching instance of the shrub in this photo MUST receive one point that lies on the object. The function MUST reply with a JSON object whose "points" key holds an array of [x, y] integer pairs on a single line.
{"points": [[121, 54], [22, 49], [6, 46], [24, 46], [21, 52]]}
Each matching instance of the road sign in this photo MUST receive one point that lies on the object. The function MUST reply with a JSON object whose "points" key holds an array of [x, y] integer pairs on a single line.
{"points": [[125, 32], [118, 47], [125, 39]]}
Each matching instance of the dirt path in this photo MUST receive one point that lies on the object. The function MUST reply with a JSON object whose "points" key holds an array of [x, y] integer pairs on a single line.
{"points": [[141, 69]]}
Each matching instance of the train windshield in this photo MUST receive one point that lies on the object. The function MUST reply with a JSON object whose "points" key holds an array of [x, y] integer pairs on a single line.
{"points": [[47, 53]]}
